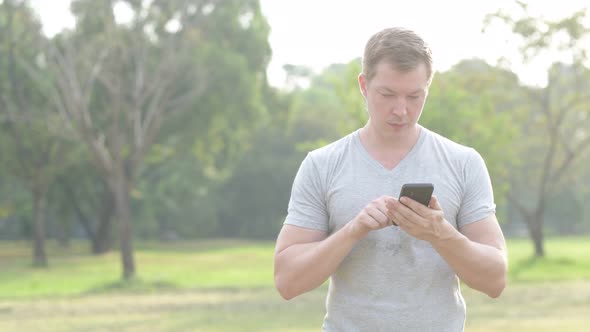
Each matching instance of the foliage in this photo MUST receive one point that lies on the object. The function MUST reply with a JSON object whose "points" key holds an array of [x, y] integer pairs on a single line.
{"points": [[221, 160], [557, 117], [255, 198], [32, 147], [478, 105]]}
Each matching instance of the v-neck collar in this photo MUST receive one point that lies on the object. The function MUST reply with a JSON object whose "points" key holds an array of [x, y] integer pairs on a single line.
{"points": [[376, 164]]}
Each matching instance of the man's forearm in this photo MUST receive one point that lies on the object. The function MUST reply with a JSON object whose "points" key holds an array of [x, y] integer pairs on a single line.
{"points": [[481, 267], [302, 267]]}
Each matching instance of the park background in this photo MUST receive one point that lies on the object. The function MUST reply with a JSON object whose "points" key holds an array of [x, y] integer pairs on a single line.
{"points": [[147, 151]]}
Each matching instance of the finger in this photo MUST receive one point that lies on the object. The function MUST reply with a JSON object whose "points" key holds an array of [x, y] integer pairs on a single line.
{"points": [[384, 206], [435, 204], [370, 222], [379, 216], [408, 214], [374, 224], [394, 209], [390, 205], [402, 215], [414, 206], [403, 209], [401, 220], [387, 210], [404, 223], [393, 206]]}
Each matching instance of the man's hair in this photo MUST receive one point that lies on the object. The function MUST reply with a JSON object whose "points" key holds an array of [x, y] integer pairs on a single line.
{"points": [[401, 48]]}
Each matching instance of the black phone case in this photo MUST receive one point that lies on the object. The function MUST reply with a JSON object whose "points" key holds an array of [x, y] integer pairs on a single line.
{"points": [[420, 192]]}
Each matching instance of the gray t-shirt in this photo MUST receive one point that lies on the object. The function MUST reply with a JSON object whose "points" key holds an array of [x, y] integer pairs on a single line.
{"points": [[390, 281]]}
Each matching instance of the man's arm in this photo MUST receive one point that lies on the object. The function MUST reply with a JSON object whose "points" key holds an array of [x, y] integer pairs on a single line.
{"points": [[477, 253], [305, 258]]}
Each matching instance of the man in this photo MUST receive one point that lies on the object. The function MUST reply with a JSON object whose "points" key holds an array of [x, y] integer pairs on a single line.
{"points": [[394, 265]]}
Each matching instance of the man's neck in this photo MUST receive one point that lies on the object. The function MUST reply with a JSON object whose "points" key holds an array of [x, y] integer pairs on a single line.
{"points": [[375, 141], [388, 150]]}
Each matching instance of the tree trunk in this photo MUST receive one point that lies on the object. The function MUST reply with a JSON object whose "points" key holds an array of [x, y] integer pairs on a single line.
{"points": [[102, 242], [120, 187], [63, 234], [100, 238], [535, 226], [39, 255]]}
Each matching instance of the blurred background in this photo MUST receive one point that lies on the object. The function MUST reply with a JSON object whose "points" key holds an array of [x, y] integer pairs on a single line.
{"points": [[147, 152]]}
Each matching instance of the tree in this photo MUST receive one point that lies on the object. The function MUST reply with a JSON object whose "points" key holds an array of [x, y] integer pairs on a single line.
{"points": [[117, 83], [555, 135], [79, 194], [32, 149], [102, 58], [258, 190], [331, 106], [220, 128], [476, 104]]}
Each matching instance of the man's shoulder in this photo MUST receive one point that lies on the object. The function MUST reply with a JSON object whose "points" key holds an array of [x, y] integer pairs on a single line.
{"points": [[438, 141], [334, 149]]}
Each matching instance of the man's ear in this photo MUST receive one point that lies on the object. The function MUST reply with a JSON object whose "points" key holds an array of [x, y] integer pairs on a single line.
{"points": [[362, 84]]}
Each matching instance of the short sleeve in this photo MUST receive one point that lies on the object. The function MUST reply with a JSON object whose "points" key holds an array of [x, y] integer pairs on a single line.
{"points": [[307, 205], [478, 197]]}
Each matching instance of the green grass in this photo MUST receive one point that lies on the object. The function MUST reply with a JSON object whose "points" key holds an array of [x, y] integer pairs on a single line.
{"points": [[215, 264], [207, 264], [561, 306], [226, 285], [567, 258]]}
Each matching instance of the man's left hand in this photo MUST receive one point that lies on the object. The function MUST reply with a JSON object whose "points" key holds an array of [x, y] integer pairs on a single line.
{"points": [[422, 222]]}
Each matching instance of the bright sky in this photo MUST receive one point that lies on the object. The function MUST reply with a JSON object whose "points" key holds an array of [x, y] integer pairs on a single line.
{"points": [[317, 33]]}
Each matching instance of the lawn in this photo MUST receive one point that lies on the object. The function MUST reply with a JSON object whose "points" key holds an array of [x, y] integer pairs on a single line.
{"points": [[226, 285]]}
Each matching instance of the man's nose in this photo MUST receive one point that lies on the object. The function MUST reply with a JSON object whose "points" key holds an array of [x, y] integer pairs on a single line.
{"points": [[399, 106]]}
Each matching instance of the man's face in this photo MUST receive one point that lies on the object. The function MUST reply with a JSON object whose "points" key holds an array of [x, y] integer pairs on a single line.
{"points": [[395, 98]]}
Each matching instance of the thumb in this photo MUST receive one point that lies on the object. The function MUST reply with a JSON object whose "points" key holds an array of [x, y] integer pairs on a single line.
{"points": [[434, 203]]}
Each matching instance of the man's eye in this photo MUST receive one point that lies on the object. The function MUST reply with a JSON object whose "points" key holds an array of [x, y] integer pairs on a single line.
{"points": [[414, 97]]}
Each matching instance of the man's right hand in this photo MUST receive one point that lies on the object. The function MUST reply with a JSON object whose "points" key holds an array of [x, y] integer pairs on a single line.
{"points": [[306, 258], [372, 217]]}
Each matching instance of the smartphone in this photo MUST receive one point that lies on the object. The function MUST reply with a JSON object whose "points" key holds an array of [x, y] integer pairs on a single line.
{"points": [[420, 192]]}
